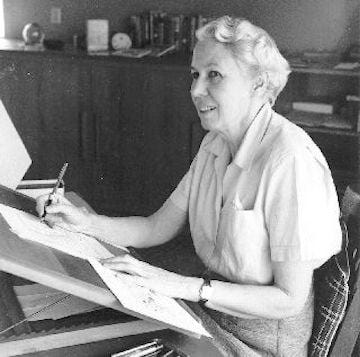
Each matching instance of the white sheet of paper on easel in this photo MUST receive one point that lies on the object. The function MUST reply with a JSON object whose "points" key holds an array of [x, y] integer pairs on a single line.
{"points": [[14, 158]]}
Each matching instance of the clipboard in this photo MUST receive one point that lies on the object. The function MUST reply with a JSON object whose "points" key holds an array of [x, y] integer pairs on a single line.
{"points": [[53, 268]]}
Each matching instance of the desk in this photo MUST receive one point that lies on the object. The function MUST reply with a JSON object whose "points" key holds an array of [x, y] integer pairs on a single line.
{"points": [[191, 346], [75, 276]]}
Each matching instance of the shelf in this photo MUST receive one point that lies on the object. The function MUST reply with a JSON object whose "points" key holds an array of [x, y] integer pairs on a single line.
{"points": [[329, 131], [326, 69], [322, 123]]}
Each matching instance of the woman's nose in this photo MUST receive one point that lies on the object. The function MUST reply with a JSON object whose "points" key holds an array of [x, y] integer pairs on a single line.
{"points": [[198, 88]]}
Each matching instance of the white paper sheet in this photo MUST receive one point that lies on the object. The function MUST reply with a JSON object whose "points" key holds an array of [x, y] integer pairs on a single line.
{"points": [[14, 158], [148, 303], [29, 227]]}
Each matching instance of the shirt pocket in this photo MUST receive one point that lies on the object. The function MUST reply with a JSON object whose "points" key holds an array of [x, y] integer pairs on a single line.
{"points": [[244, 245]]}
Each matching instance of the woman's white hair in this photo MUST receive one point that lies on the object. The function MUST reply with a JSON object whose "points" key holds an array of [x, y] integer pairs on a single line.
{"points": [[251, 46]]}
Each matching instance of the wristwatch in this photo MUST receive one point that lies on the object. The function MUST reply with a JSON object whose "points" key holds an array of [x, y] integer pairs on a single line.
{"points": [[205, 291]]}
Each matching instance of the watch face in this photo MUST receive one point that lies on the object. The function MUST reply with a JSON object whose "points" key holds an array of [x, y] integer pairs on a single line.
{"points": [[120, 41]]}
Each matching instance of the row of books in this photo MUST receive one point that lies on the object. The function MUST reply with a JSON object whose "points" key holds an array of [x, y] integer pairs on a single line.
{"points": [[158, 28], [339, 113], [325, 105]]}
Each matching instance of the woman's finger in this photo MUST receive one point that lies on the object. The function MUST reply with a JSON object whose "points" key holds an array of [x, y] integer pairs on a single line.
{"points": [[127, 263], [132, 279], [53, 220], [55, 198], [66, 209]]}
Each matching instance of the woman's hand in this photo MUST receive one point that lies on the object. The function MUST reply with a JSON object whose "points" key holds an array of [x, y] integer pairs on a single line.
{"points": [[61, 212], [154, 278]]}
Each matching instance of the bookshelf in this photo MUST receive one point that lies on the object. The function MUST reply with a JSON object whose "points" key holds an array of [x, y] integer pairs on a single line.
{"points": [[336, 133], [158, 29]]}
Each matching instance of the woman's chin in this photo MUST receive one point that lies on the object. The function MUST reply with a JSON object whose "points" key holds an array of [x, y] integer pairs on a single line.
{"points": [[207, 122]]}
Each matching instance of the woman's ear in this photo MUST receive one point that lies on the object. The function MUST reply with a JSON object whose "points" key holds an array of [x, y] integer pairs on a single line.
{"points": [[261, 83]]}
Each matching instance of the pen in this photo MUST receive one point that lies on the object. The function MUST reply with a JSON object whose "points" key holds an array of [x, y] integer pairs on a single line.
{"points": [[141, 350], [55, 188]]}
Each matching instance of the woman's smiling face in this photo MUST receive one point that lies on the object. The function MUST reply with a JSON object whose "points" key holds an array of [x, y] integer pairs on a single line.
{"points": [[221, 90]]}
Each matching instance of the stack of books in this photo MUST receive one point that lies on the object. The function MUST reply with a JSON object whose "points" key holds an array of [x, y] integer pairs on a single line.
{"points": [[157, 28], [321, 105], [321, 112]]}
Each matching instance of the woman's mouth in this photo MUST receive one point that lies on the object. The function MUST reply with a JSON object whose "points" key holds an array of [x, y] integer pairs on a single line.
{"points": [[206, 109]]}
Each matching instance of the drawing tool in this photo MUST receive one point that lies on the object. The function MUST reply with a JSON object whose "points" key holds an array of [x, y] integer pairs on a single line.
{"points": [[141, 350], [55, 188]]}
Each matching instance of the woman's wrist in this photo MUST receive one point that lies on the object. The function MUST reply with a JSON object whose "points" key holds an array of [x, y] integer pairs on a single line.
{"points": [[205, 291], [191, 288], [89, 226]]}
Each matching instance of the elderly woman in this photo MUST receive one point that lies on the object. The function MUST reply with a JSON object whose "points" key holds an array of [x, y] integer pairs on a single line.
{"points": [[259, 196]]}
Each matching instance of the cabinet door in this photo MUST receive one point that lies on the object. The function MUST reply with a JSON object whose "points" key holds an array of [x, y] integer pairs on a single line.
{"points": [[168, 118], [117, 101], [19, 90], [62, 123]]}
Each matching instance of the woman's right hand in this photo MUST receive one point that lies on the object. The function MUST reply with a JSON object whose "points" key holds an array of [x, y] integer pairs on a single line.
{"points": [[61, 212]]}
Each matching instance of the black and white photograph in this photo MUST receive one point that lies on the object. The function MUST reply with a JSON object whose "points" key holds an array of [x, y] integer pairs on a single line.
{"points": [[179, 178]]}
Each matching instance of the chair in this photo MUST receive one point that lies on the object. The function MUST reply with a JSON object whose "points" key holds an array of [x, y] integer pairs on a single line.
{"points": [[337, 297], [345, 342]]}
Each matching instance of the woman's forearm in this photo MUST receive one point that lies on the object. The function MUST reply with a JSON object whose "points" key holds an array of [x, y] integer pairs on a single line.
{"points": [[122, 231], [285, 297], [137, 231], [254, 301]]}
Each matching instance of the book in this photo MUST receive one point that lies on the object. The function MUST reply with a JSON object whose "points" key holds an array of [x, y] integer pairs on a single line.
{"points": [[158, 51], [316, 105], [145, 29], [192, 30], [175, 31], [318, 120], [97, 35], [349, 66], [136, 31], [132, 52]]}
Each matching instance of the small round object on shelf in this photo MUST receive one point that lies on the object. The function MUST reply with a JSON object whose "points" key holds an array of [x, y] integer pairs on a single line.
{"points": [[120, 41], [33, 34]]}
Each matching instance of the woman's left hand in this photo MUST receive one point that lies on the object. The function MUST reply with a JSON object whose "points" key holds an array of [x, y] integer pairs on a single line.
{"points": [[154, 278]]}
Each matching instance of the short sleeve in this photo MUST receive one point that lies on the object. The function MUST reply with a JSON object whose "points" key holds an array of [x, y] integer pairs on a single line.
{"points": [[181, 195], [301, 209]]}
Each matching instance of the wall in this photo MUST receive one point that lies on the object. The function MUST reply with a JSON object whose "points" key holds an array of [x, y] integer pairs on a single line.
{"points": [[296, 25]]}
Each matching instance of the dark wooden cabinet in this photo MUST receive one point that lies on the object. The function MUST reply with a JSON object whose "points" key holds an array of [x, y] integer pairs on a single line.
{"points": [[60, 116], [168, 116], [117, 98], [124, 127], [143, 116], [44, 99]]}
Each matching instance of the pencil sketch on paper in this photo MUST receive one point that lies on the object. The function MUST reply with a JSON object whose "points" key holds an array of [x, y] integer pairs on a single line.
{"points": [[147, 302], [29, 227]]}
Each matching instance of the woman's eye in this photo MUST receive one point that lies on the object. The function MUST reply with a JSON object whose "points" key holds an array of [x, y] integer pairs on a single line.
{"points": [[214, 74], [194, 75]]}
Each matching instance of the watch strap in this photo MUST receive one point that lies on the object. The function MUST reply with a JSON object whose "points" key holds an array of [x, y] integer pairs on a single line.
{"points": [[206, 283]]}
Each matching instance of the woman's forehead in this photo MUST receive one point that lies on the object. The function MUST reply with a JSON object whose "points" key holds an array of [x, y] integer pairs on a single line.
{"points": [[210, 52]]}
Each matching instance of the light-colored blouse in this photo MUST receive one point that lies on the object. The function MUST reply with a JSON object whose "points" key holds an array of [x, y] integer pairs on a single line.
{"points": [[274, 201]]}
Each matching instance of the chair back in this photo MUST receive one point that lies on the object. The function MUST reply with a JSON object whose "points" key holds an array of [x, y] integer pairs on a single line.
{"points": [[336, 324], [345, 341]]}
